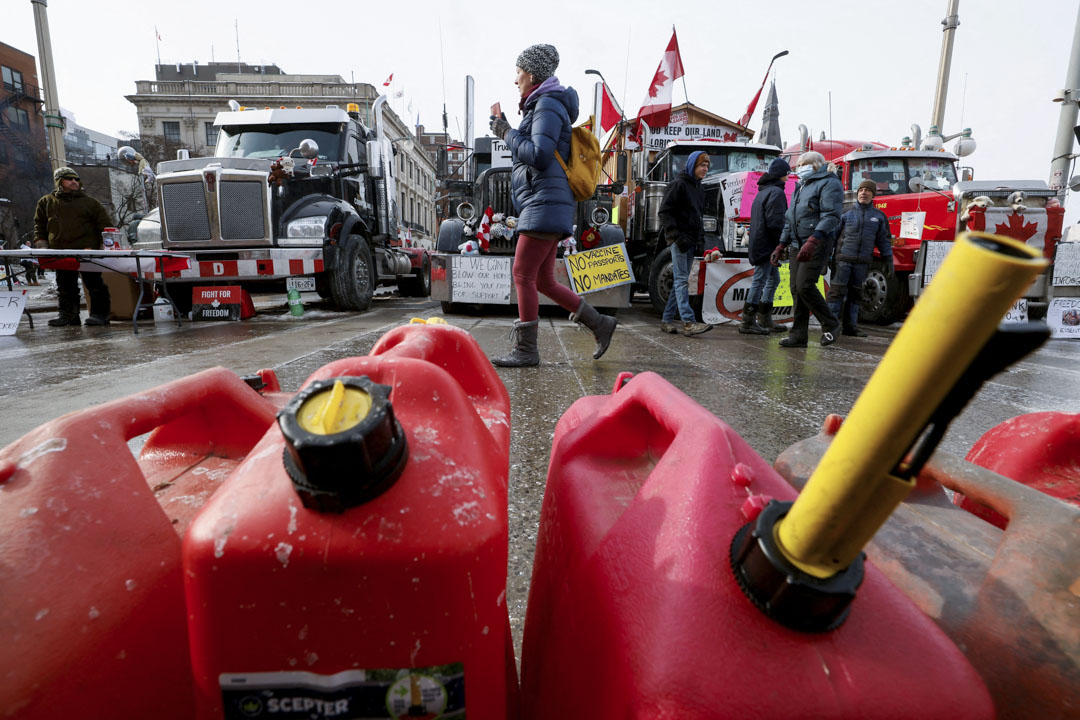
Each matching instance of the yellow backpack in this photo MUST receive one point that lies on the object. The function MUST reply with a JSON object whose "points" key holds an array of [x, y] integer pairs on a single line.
{"points": [[583, 170]]}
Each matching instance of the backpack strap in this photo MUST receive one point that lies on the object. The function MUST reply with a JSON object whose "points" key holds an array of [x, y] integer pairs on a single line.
{"points": [[556, 109]]}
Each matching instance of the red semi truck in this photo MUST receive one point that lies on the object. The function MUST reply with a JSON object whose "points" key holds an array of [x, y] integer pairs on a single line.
{"points": [[912, 180]]}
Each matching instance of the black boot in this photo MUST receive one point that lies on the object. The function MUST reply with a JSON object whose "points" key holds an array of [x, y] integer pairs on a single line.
{"points": [[852, 331], [65, 319], [764, 311], [525, 353], [749, 321], [602, 326]]}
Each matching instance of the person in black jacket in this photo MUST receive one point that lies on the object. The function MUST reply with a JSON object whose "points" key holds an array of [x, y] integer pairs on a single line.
{"points": [[680, 215], [766, 224], [862, 228]]}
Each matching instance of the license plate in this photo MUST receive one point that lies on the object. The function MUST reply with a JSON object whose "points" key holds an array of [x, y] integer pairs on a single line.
{"points": [[302, 284]]}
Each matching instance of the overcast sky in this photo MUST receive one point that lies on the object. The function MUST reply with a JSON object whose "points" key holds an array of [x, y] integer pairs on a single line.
{"points": [[878, 60]]}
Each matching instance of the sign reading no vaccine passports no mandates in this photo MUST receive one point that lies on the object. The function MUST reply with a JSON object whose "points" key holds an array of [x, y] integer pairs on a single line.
{"points": [[598, 269]]}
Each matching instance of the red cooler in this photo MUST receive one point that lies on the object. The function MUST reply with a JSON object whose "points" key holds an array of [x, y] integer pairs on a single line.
{"points": [[634, 610], [355, 564]]}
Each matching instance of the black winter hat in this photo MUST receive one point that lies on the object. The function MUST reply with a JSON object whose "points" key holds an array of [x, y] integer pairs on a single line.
{"points": [[539, 61], [779, 167]]}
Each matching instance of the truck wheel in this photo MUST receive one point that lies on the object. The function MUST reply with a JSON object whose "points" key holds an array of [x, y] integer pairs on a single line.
{"points": [[660, 280], [418, 284], [352, 279], [884, 300]]}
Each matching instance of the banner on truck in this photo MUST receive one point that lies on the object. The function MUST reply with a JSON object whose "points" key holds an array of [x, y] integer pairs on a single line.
{"points": [[598, 269], [727, 286], [658, 138]]}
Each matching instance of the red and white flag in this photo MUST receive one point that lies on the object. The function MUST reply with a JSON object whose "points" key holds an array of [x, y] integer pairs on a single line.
{"points": [[483, 233], [388, 80], [610, 112], [656, 108]]}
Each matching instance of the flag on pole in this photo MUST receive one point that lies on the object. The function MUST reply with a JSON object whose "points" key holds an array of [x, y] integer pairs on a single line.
{"points": [[610, 112], [389, 80], [753, 103], [157, 33], [483, 233], [656, 108]]}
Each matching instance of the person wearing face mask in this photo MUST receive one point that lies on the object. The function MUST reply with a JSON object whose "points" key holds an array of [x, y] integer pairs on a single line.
{"points": [[810, 226], [684, 228], [543, 202], [862, 228]]}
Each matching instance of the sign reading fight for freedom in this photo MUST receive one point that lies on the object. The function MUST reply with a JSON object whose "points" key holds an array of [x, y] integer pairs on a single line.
{"points": [[598, 269]]}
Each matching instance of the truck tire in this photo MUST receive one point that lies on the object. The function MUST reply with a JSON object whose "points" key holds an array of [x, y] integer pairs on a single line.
{"points": [[352, 279], [884, 299], [418, 284], [660, 279], [451, 234]]}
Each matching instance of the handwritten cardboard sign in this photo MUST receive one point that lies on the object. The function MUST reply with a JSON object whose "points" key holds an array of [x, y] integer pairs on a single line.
{"points": [[12, 304], [598, 269], [1067, 264], [911, 225], [1063, 317], [481, 279]]}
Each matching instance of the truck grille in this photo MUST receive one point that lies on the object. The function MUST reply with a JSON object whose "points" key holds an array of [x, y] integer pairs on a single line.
{"points": [[242, 213], [498, 195], [184, 206]]}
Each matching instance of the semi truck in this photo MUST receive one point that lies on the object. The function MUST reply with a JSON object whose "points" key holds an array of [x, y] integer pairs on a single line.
{"points": [[912, 178], [304, 196]]}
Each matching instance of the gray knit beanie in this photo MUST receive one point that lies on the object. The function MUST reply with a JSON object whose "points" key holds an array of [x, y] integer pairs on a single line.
{"points": [[539, 61]]}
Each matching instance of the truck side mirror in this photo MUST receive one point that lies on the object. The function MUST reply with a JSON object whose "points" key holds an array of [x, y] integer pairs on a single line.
{"points": [[374, 158], [621, 164], [442, 162], [967, 174], [916, 184], [309, 148]]}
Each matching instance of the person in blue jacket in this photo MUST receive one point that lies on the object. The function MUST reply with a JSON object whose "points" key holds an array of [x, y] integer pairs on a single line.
{"points": [[810, 226], [862, 228], [543, 202]]}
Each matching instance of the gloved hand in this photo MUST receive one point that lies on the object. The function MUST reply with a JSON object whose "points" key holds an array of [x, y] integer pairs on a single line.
{"points": [[684, 243], [890, 269], [499, 127], [806, 252], [774, 258]]}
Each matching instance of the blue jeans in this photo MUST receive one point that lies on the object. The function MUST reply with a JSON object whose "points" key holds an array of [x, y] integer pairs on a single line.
{"points": [[766, 280], [679, 297], [845, 293]]}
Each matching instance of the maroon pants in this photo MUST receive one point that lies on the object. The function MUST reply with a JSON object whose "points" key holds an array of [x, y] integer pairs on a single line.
{"points": [[534, 270]]}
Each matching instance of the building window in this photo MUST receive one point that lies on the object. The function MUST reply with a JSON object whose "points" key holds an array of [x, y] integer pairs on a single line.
{"points": [[17, 117], [211, 134], [12, 79], [171, 131]]}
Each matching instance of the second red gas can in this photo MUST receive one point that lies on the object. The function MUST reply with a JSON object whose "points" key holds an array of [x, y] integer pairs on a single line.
{"points": [[355, 564]]}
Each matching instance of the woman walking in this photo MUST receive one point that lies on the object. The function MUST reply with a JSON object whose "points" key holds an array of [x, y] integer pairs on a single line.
{"points": [[543, 201]]}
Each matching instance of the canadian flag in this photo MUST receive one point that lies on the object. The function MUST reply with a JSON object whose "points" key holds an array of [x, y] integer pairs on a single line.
{"points": [[610, 112], [388, 80], [483, 233], [656, 108]]}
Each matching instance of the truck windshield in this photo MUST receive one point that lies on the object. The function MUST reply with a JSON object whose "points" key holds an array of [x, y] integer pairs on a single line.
{"points": [[891, 174], [274, 141], [722, 161]]}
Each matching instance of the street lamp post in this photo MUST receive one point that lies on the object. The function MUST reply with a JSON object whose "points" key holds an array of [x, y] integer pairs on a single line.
{"points": [[54, 122]]}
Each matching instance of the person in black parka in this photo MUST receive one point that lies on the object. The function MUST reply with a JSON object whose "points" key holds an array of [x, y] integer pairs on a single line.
{"points": [[543, 202], [684, 227], [766, 224]]}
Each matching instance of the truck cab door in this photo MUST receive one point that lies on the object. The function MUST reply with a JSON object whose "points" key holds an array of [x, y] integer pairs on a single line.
{"points": [[354, 186]]}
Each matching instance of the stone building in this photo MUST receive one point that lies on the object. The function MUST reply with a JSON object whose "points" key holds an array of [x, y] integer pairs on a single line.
{"points": [[177, 109]]}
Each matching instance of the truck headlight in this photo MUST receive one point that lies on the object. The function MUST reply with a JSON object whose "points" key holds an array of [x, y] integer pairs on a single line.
{"points": [[709, 224], [307, 228]]}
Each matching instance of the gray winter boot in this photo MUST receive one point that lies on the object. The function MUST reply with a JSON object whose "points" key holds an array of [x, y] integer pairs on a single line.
{"points": [[525, 353], [749, 321], [765, 320], [602, 326]]}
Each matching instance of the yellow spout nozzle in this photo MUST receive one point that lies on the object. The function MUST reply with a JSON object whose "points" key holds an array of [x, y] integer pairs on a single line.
{"points": [[852, 491], [335, 411]]}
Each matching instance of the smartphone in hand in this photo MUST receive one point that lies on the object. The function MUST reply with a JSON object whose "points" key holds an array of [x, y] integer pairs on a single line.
{"points": [[496, 110]]}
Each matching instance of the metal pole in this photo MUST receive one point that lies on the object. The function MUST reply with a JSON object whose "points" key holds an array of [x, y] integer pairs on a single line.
{"points": [[54, 122], [470, 140], [1063, 145], [951, 21], [598, 108]]}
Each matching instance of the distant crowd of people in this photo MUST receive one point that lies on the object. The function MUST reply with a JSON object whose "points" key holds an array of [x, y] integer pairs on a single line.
{"points": [[812, 230]]}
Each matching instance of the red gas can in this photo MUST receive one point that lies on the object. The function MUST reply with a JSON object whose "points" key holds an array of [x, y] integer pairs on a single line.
{"points": [[92, 621], [307, 601], [1040, 450], [634, 610]]}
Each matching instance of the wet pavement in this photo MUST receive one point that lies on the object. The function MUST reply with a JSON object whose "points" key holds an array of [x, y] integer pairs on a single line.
{"points": [[770, 395]]}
